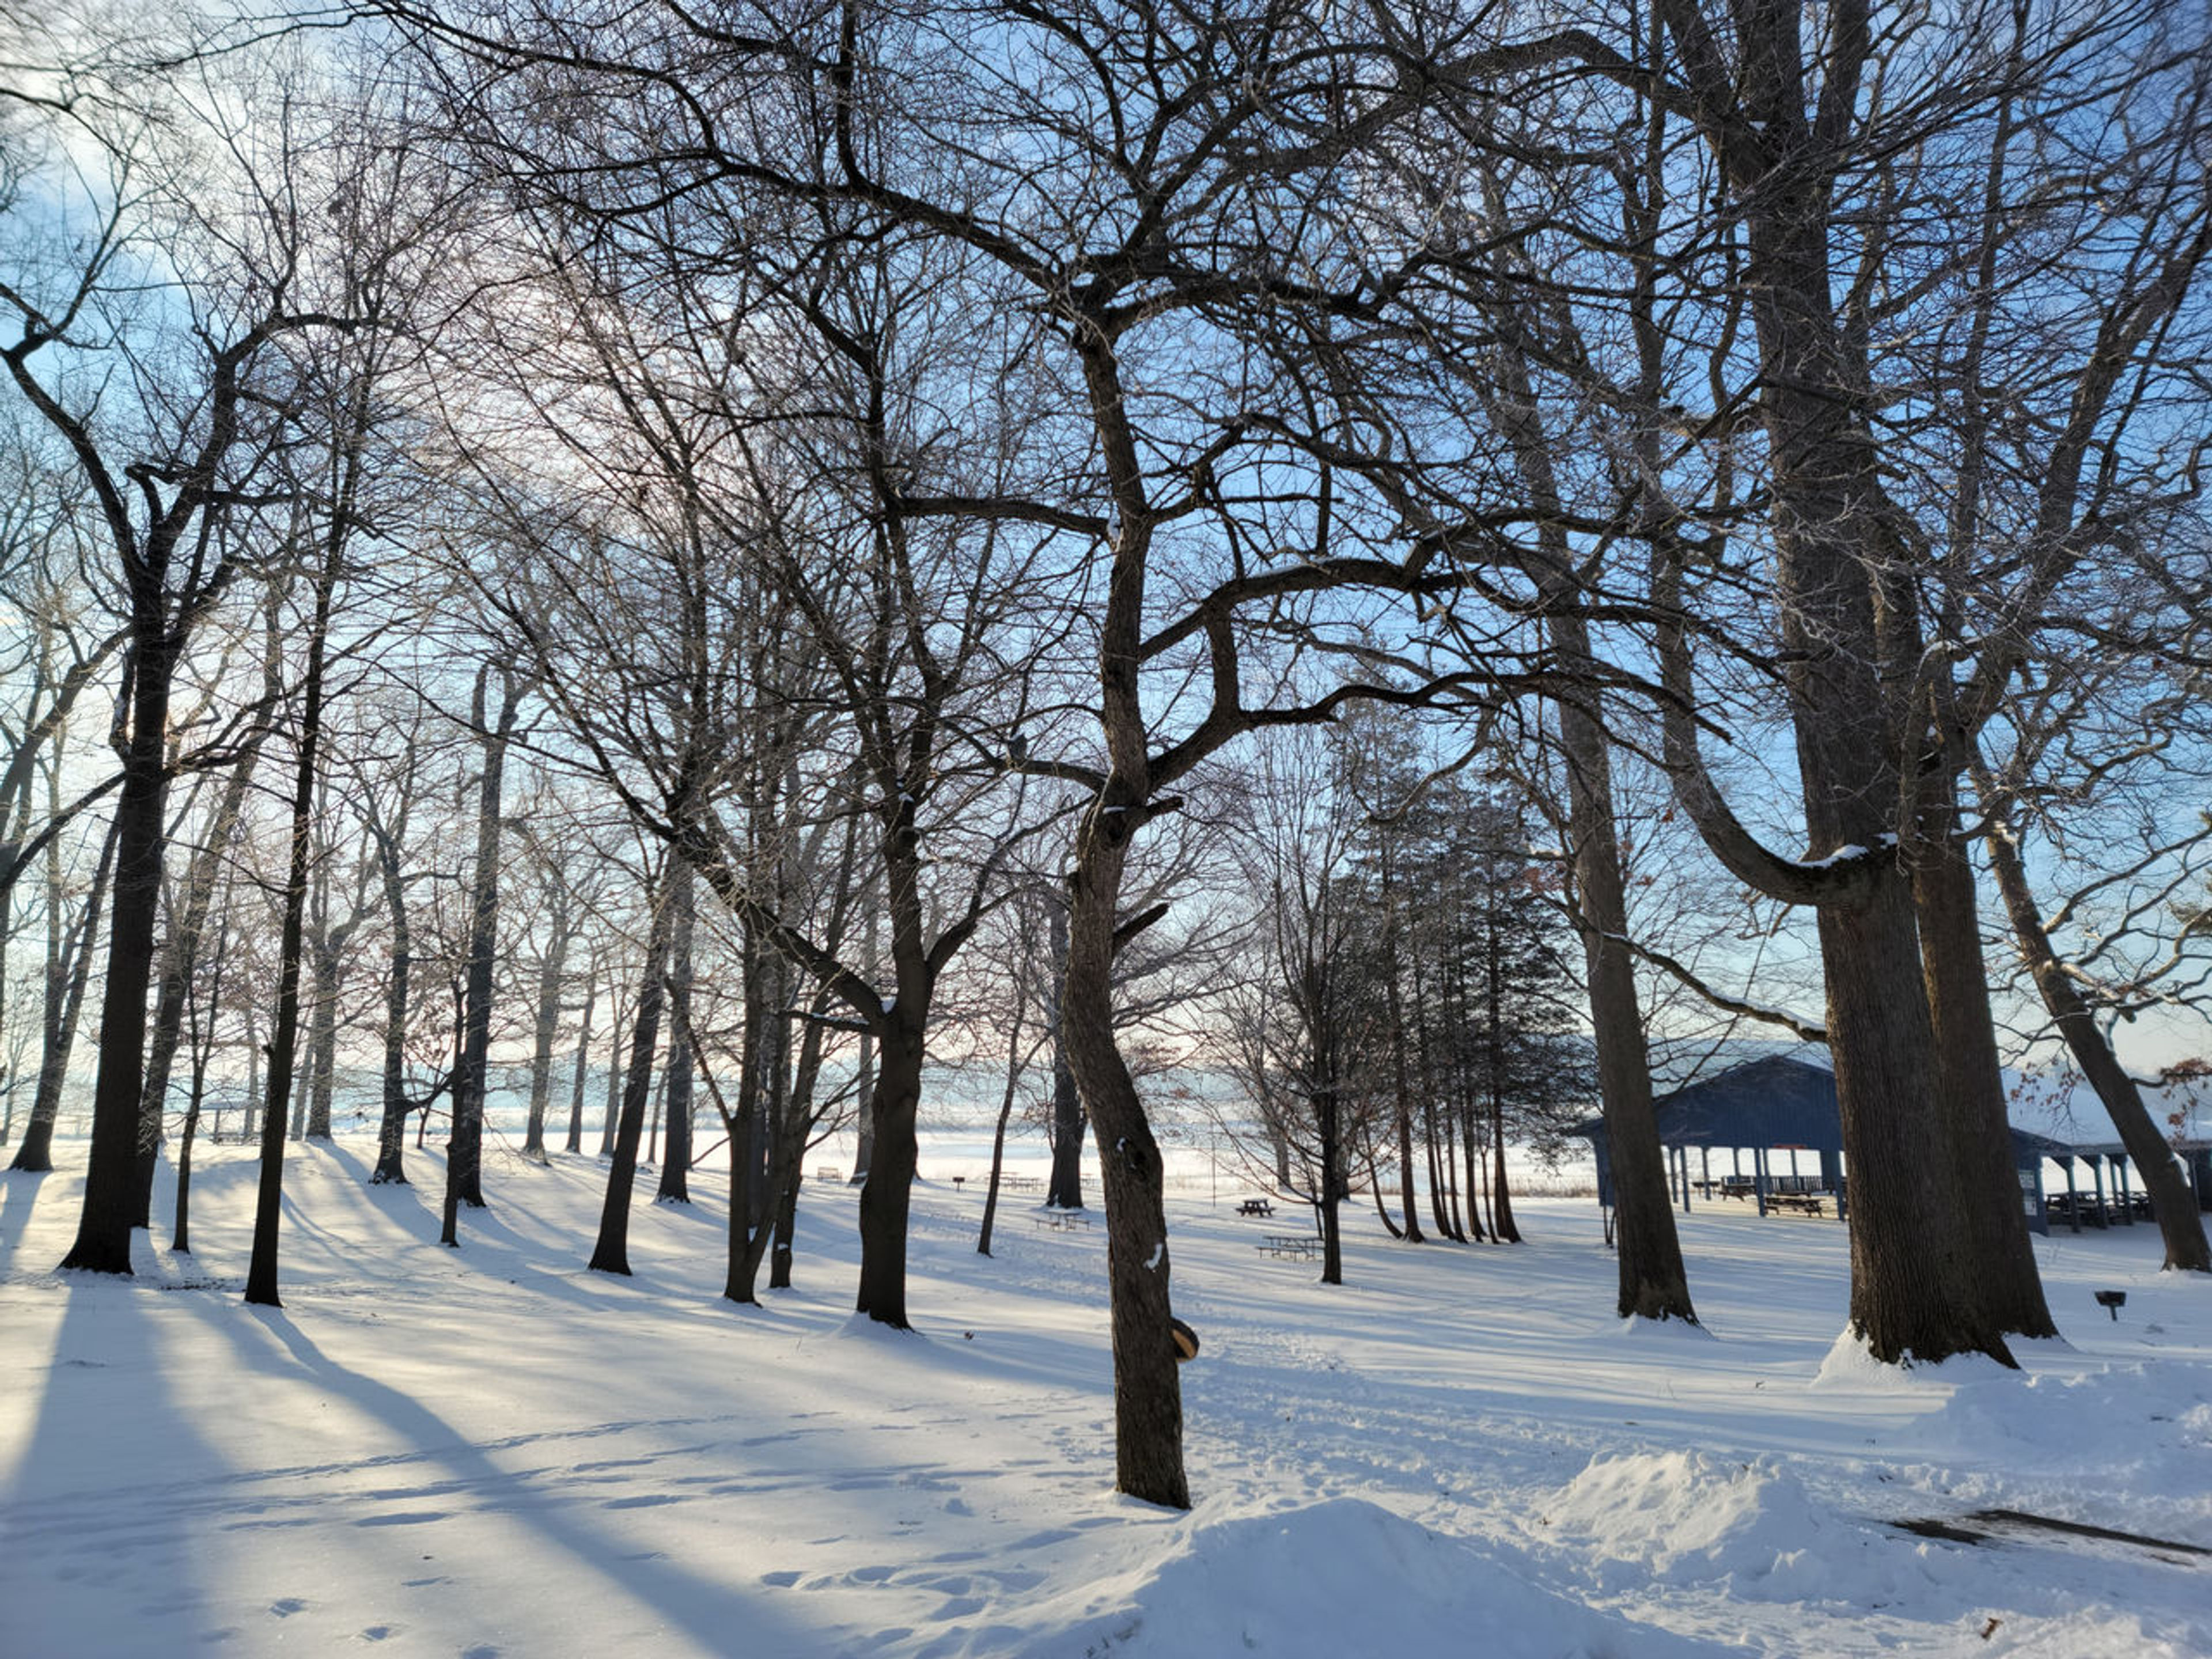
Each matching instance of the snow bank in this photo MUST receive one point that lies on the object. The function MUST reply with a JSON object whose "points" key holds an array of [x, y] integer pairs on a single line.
{"points": [[1348, 1576], [1687, 1517]]}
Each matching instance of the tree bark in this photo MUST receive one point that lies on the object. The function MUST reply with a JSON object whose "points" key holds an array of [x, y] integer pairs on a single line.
{"points": [[465, 1150], [887, 1195], [188, 922], [1652, 1281], [548, 1023], [110, 1189], [575, 1139], [610, 1253], [1969, 1077], [1064, 1188], [392, 1131], [1147, 1390], [999, 1134], [327, 953], [261, 1288], [180, 1236], [620, 1014], [1915, 1290], [675, 1186], [67, 975]]}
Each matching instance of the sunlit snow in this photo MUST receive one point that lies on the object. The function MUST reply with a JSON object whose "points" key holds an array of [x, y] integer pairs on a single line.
{"points": [[494, 1452]]}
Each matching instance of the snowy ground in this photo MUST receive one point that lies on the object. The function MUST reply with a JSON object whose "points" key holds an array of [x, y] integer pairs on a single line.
{"points": [[495, 1452]]}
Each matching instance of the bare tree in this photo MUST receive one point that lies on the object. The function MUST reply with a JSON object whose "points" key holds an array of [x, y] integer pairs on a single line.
{"points": [[186, 446]]}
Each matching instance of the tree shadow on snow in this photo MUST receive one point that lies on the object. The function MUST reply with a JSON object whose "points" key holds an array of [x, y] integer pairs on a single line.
{"points": [[19, 1196], [108, 1511], [706, 1609]]}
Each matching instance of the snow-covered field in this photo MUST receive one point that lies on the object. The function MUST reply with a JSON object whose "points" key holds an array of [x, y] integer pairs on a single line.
{"points": [[496, 1452]]}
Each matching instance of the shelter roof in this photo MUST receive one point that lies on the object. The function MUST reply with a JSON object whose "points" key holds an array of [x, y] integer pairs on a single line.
{"points": [[1775, 1101]]}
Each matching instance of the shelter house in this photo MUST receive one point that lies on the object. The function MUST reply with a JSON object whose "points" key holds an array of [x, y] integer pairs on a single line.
{"points": [[1780, 1115]]}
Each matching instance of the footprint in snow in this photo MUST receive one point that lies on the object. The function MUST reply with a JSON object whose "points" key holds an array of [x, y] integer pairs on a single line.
{"points": [[285, 1606]]}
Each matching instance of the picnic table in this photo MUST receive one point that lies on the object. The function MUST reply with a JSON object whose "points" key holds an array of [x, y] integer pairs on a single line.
{"points": [[829, 1172], [1255, 1206], [1804, 1203], [1061, 1221], [1300, 1245]]}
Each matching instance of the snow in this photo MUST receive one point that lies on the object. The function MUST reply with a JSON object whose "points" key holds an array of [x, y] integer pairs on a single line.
{"points": [[494, 1451]]}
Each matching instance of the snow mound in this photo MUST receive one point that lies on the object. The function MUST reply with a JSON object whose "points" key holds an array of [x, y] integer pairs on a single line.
{"points": [[2092, 1418], [2070, 1636], [1686, 1517], [1348, 1576], [1850, 1363]]}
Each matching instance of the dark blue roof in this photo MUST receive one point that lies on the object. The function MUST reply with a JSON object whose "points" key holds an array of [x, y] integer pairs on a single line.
{"points": [[1767, 1103], [1776, 1102]]}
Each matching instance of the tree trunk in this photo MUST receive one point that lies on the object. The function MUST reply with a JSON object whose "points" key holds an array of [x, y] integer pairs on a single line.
{"points": [[1907, 1300], [203, 1014], [1847, 620], [613, 1114], [575, 1140], [1970, 1078], [999, 1134], [1329, 1110], [1653, 1282], [888, 1193], [328, 951], [302, 1077], [188, 922], [1501, 1201], [548, 1021], [1437, 1157], [180, 1239], [1411, 1230], [1470, 1163], [2173, 1205], [610, 1254], [1147, 1390], [1501, 1226], [1401, 1068], [268, 1209], [675, 1186], [746, 1127], [1064, 1189], [787, 1144], [253, 1073], [392, 1131], [465, 1150], [110, 1188], [67, 974]]}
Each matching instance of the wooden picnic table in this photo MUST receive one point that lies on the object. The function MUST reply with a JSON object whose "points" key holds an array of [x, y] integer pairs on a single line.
{"points": [[1255, 1206], [1061, 1221], [1300, 1245]]}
